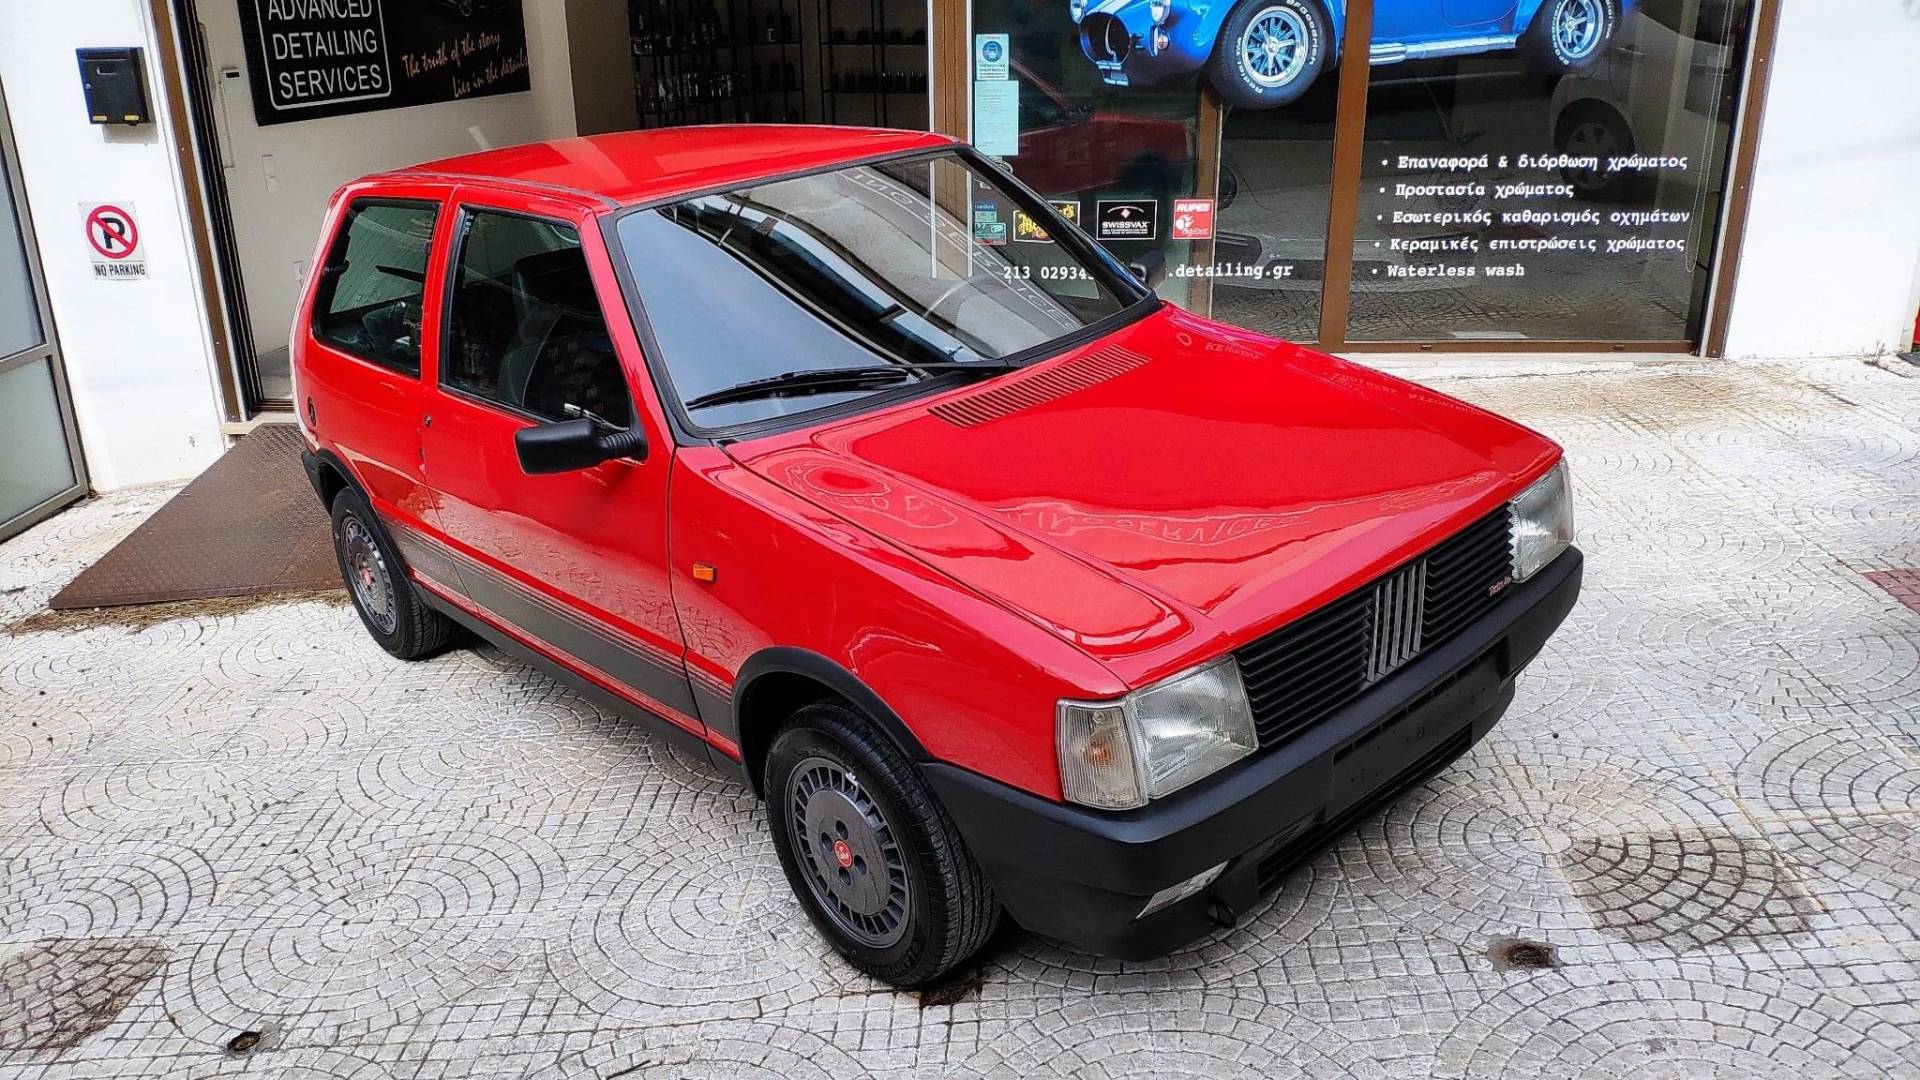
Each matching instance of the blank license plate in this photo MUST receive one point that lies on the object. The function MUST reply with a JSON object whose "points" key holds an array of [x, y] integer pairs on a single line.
{"points": [[1394, 747]]}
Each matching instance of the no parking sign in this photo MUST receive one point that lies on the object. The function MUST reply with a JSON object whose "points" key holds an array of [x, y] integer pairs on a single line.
{"points": [[113, 241]]}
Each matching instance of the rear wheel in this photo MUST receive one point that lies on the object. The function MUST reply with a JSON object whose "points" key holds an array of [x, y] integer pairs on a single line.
{"points": [[1269, 52], [873, 857], [376, 579], [1568, 36]]}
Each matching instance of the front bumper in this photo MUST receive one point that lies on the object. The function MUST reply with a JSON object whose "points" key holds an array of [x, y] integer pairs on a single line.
{"points": [[1082, 875]]}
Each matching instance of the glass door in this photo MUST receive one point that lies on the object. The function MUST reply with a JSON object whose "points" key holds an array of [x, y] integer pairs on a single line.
{"points": [[40, 466]]}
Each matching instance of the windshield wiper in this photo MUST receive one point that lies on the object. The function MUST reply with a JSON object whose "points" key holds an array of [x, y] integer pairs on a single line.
{"points": [[827, 380]]}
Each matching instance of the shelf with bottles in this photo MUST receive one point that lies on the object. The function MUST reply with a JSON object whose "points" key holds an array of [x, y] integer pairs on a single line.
{"points": [[917, 39], [658, 94], [720, 112], [676, 27], [868, 81], [666, 28]]}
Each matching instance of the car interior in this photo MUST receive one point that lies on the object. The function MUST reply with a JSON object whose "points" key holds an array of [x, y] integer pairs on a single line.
{"points": [[533, 338]]}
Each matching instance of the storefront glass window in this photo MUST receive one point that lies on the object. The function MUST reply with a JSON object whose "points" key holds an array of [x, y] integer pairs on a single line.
{"points": [[1269, 255], [1556, 175], [1117, 156]]}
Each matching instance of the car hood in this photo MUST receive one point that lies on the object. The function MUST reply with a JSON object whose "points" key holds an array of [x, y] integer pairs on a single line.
{"points": [[1166, 492]]}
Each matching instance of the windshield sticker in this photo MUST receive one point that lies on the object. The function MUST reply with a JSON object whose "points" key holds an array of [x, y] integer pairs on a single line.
{"points": [[1128, 219], [988, 228]]}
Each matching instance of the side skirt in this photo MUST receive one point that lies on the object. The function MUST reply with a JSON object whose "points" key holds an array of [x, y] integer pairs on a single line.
{"points": [[1396, 52], [686, 741]]}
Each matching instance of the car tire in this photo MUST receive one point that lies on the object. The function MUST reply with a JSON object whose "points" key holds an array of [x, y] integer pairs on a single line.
{"points": [[1229, 187], [846, 809], [1249, 74], [1569, 37], [376, 580], [1595, 130]]}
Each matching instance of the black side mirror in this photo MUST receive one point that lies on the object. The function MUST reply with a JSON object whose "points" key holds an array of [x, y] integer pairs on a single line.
{"points": [[567, 445], [1150, 269]]}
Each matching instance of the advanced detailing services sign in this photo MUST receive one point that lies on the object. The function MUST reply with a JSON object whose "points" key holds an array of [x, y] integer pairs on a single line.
{"points": [[314, 58]]}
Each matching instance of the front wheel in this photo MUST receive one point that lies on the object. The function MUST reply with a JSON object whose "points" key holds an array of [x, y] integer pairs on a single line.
{"points": [[1569, 36], [1269, 52], [1596, 131], [872, 856]]}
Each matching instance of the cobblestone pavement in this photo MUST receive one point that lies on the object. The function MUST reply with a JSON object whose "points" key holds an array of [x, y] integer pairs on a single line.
{"points": [[254, 826]]}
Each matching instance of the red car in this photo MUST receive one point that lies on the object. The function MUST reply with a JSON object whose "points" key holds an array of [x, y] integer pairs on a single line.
{"points": [[1010, 587]]}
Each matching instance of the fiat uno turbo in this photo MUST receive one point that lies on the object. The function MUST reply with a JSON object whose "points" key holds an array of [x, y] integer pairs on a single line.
{"points": [[1009, 587]]}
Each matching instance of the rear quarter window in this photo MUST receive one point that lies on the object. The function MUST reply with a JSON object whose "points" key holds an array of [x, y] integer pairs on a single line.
{"points": [[368, 301]]}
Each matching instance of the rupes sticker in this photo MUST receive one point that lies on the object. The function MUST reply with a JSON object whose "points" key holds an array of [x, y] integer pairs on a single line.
{"points": [[1192, 219], [1127, 219]]}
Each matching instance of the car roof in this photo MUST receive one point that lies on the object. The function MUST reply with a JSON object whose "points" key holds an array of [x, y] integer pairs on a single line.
{"points": [[641, 166]]}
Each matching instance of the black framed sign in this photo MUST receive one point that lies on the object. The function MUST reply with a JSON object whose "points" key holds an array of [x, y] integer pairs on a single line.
{"points": [[312, 58]]}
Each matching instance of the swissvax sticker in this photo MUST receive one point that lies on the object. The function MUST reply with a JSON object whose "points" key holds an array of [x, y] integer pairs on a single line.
{"points": [[1127, 219]]}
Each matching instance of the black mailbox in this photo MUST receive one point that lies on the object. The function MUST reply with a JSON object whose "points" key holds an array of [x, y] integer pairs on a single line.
{"points": [[116, 86]]}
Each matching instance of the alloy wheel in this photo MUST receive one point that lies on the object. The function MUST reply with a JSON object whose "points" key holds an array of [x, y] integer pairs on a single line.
{"points": [[1590, 138], [847, 853], [1273, 47], [367, 575], [1576, 27]]}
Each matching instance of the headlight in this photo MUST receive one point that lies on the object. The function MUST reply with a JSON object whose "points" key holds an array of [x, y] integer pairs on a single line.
{"points": [[1076, 9], [1542, 522], [1158, 10], [1116, 755]]}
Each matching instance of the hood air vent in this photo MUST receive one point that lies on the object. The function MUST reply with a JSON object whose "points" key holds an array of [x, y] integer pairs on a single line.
{"points": [[1022, 392]]}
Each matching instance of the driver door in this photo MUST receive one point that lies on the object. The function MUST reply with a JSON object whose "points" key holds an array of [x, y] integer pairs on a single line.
{"points": [[573, 562]]}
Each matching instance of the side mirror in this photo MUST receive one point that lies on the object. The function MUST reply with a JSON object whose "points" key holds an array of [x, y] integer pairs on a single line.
{"points": [[568, 445], [1150, 269]]}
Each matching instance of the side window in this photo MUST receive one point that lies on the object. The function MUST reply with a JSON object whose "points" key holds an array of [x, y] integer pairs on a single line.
{"points": [[368, 300], [525, 329]]}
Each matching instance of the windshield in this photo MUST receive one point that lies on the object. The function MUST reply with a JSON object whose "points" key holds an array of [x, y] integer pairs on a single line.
{"points": [[799, 294]]}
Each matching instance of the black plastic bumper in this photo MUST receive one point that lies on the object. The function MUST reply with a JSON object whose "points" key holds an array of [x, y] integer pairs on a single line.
{"points": [[1083, 876], [311, 462]]}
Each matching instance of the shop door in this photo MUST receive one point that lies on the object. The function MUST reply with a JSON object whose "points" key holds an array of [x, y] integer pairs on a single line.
{"points": [[40, 468]]}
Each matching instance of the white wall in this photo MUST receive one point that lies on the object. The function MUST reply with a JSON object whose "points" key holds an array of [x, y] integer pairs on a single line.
{"points": [[138, 357], [1833, 237], [277, 221]]}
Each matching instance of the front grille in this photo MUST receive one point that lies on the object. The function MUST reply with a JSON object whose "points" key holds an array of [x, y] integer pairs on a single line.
{"points": [[1316, 665], [1466, 575], [1397, 622]]}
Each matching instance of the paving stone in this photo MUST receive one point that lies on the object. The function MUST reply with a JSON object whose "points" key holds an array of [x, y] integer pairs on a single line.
{"points": [[253, 825]]}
